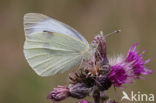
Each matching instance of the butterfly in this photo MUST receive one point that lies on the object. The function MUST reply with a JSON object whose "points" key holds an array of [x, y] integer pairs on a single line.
{"points": [[51, 46]]}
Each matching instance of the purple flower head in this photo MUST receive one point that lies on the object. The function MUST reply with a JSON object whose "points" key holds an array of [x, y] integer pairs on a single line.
{"points": [[137, 63], [118, 75], [59, 93], [126, 70]]}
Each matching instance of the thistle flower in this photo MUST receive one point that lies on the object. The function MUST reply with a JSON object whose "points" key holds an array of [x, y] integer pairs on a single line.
{"points": [[118, 75], [99, 73], [138, 65], [126, 70]]}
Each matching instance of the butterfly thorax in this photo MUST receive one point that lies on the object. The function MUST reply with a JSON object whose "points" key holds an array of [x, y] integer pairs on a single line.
{"points": [[88, 53]]}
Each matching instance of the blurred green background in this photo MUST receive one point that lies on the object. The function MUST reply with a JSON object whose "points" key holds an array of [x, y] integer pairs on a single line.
{"points": [[136, 19]]}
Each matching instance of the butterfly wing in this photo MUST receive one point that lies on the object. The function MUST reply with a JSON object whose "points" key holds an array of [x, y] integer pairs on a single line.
{"points": [[35, 23], [49, 53], [47, 48]]}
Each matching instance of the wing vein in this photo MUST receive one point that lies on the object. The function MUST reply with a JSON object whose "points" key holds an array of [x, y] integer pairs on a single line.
{"points": [[67, 61]]}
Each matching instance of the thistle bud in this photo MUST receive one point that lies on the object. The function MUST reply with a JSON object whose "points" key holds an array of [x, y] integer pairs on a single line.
{"points": [[101, 49], [79, 90], [103, 83], [59, 93]]}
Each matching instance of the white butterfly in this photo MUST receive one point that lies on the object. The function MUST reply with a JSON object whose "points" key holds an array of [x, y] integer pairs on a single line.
{"points": [[52, 46]]}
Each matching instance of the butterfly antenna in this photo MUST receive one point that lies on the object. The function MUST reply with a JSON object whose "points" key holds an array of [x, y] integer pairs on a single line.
{"points": [[114, 32]]}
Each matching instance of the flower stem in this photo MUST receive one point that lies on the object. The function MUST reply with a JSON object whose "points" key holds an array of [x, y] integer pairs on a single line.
{"points": [[103, 97], [96, 96], [99, 97]]}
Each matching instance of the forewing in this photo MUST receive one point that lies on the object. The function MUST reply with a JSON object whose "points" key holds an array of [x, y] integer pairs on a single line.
{"points": [[50, 53], [35, 23]]}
